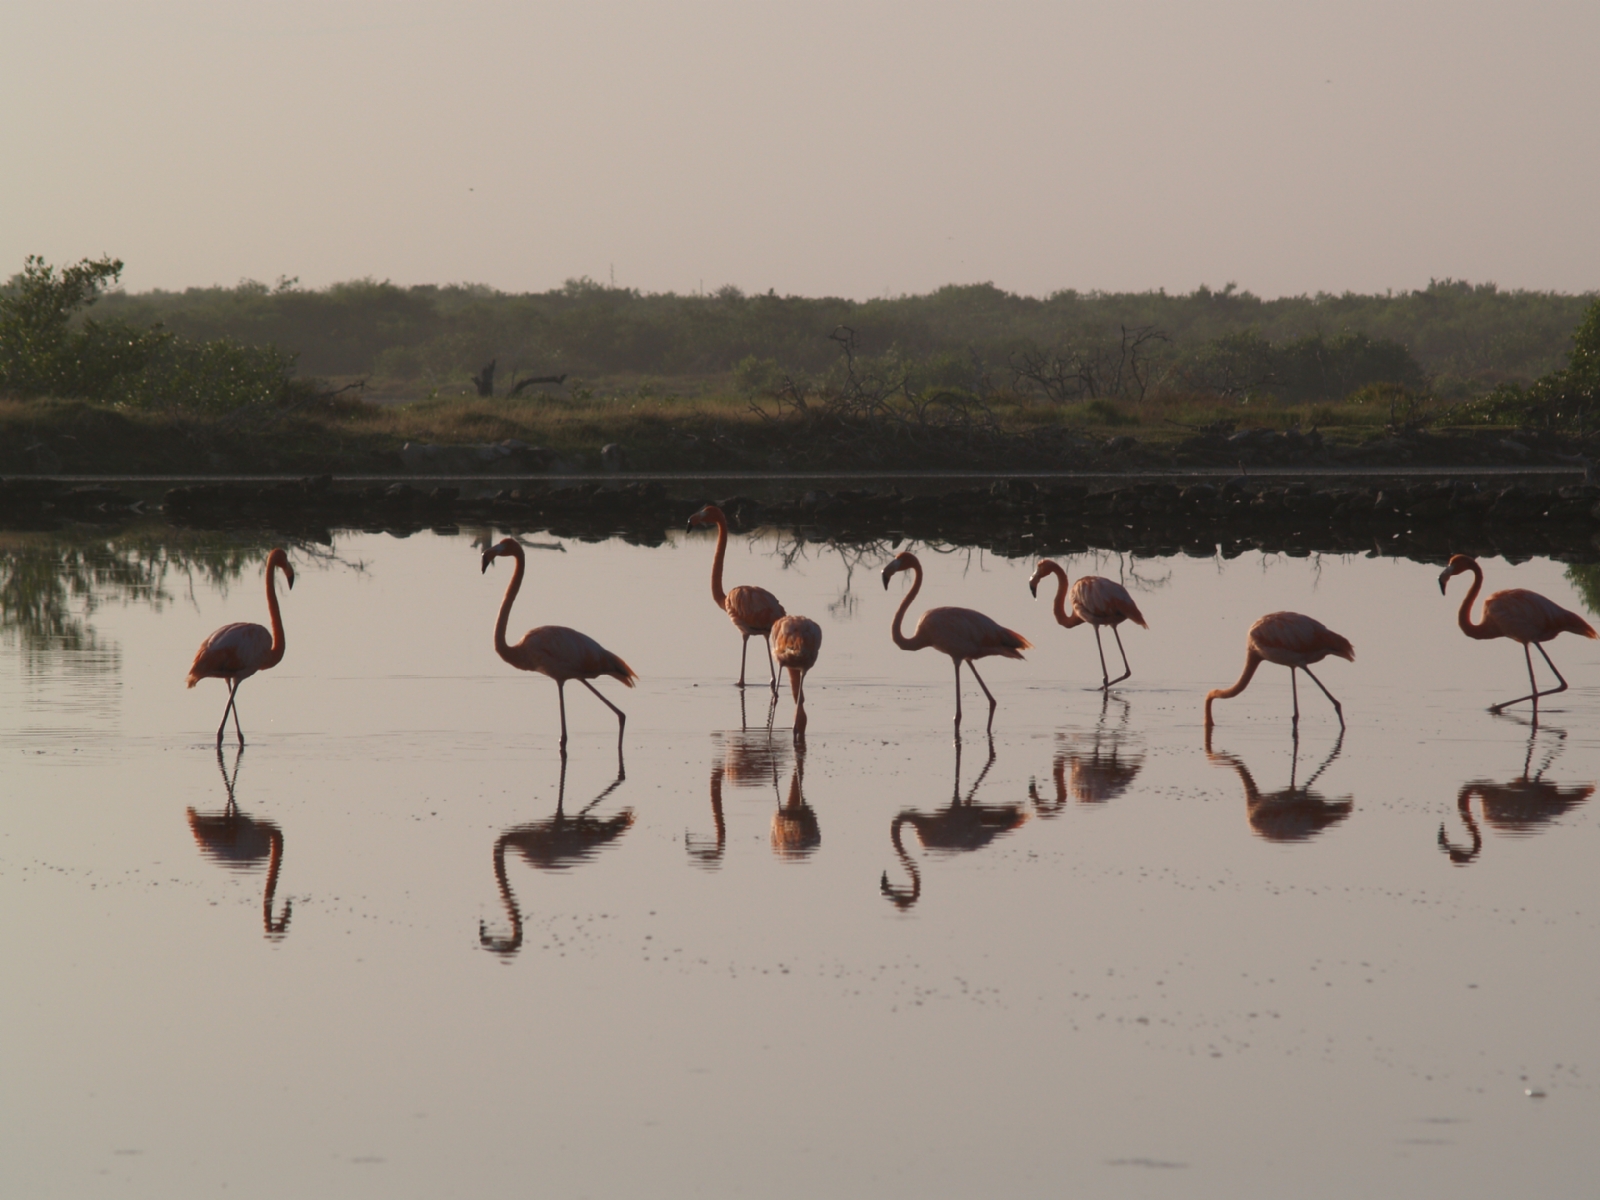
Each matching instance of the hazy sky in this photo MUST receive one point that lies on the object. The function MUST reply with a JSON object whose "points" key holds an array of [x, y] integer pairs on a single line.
{"points": [[848, 149]]}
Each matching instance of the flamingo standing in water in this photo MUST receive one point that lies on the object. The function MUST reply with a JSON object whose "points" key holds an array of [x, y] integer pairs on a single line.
{"points": [[1518, 614], [1097, 602], [961, 633], [752, 610], [236, 652], [1290, 640], [555, 650], [796, 641]]}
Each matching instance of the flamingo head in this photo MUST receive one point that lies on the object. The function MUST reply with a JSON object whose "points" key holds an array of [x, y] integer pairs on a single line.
{"points": [[1044, 568], [904, 561], [504, 546], [279, 558], [1459, 564], [709, 515]]}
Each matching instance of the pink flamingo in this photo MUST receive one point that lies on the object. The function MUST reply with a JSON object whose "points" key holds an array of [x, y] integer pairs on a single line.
{"points": [[752, 610], [961, 633], [236, 652], [554, 650], [1097, 602], [796, 641], [1518, 614], [1292, 641]]}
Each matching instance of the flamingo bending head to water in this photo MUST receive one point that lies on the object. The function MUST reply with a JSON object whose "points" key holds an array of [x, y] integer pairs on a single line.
{"points": [[961, 633], [236, 652], [1290, 640], [796, 641], [752, 610], [1518, 614], [554, 650], [1095, 601]]}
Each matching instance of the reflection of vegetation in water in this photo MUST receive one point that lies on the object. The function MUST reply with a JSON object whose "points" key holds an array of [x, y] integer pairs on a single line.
{"points": [[51, 584], [1586, 578]]}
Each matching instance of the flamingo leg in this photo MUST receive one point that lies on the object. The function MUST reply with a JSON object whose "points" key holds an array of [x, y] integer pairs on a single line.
{"points": [[1294, 691], [233, 689], [771, 665], [957, 662], [1105, 675], [993, 703], [1533, 683], [1126, 669], [744, 651], [622, 717], [1336, 706], [561, 698]]}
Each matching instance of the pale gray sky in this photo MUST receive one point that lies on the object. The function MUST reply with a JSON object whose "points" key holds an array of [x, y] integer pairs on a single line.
{"points": [[848, 149]]}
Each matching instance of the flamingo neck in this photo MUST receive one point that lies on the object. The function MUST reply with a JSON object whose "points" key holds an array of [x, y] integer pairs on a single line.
{"points": [[500, 646], [901, 639], [902, 898], [275, 864], [1464, 616], [717, 594], [510, 945], [1252, 660], [1063, 617], [275, 655]]}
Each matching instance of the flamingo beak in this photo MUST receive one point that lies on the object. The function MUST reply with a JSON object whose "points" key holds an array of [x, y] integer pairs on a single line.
{"points": [[1033, 587], [488, 557], [1444, 578], [289, 575], [887, 573]]}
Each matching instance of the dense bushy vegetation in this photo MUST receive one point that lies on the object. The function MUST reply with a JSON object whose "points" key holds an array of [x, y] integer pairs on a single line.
{"points": [[1566, 400], [48, 347], [1464, 338]]}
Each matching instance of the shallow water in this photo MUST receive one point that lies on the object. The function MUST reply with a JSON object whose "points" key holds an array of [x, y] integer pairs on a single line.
{"points": [[1100, 962]]}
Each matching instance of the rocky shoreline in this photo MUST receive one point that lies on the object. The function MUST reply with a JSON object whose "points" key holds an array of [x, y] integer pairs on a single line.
{"points": [[1426, 519]]}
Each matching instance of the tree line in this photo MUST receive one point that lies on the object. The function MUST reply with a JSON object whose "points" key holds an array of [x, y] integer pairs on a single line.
{"points": [[1464, 338]]}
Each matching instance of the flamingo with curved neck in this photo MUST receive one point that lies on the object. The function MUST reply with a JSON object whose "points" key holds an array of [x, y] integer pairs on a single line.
{"points": [[236, 652], [1290, 640], [1518, 614], [1095, 601], [796, 642], [752, 610], [961, 633], [554, 650]]}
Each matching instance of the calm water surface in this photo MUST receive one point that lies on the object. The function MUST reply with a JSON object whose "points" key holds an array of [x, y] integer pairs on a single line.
{"points": [[1086, 958]]}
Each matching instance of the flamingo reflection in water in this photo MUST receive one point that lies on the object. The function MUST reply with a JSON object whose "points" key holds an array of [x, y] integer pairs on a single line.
{"points": [[1294, 813], [1522, 807], [1098, 772], [748, 757], [961, 826], [796, 833], [553, 844], [240, 842]]}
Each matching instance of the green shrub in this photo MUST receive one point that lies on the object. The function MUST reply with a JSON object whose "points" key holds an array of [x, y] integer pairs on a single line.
{"points": [[48, 349]]}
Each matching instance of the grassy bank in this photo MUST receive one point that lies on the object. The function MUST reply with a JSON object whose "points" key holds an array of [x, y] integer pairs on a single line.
{"points": [[725, 432]]}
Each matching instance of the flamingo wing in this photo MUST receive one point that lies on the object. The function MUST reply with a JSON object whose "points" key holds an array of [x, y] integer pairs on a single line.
{"points": [[1525, 616], [796, 641], [563, 653], [1102, 602], [963, 633], [1294, 640], [235, 651], [752, 609]]}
